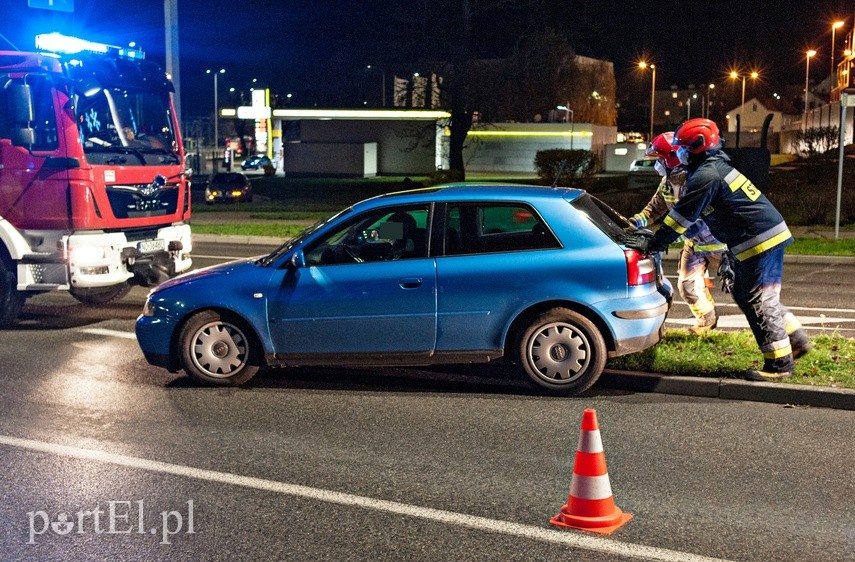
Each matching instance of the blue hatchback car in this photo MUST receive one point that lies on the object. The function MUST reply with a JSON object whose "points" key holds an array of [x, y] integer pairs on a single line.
{"points": [[460, 273]]}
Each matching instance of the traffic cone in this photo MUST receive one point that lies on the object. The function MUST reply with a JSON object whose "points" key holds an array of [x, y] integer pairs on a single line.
{"points": [[590, 505]]}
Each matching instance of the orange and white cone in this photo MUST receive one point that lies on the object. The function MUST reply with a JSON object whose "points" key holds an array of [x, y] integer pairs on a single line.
{"points": [[590, 505]]}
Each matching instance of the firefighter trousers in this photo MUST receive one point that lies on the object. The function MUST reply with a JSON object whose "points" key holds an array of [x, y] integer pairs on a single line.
{"points": [[692, 282], [757, 291]]}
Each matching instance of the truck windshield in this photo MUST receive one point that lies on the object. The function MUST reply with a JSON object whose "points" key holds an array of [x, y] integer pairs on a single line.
{"points": [[126, 122]]}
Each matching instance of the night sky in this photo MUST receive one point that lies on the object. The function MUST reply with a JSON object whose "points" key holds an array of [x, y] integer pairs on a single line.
{"points": [[318, 50]]}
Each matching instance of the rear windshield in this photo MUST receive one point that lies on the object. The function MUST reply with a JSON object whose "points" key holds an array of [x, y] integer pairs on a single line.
{"points": [[607, 219]]}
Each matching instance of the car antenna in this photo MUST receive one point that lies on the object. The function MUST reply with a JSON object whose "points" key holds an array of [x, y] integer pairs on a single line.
{"points": [[560, 171]]}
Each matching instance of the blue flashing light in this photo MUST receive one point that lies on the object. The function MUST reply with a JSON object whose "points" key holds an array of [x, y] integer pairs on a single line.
{"points": [[67, 45]]}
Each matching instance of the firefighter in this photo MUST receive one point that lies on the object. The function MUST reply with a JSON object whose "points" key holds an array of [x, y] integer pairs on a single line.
{"points": [[701, 251], [739, 215]]}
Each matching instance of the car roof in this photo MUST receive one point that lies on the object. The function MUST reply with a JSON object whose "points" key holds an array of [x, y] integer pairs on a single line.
{"points": [[478, 191]]}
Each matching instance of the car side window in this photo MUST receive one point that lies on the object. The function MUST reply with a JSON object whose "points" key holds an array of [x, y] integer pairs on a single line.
{"points": [[378, 235], [495, 227]]}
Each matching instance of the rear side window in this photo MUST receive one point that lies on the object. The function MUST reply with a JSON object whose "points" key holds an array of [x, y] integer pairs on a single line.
{"points": [[607, 219], [477, 228]]}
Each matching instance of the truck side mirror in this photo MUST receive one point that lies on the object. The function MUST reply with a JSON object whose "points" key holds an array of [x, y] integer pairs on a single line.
{"points": [[20, 100]]}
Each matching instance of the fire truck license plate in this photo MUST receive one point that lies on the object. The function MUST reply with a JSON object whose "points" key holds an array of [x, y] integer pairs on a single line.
{"points": [[148, 246]]}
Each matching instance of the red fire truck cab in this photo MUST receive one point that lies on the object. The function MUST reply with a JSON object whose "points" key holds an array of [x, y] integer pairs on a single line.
{"points": [[93, 193]]}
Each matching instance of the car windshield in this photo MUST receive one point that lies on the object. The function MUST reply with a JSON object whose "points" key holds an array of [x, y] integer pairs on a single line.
{"points": [[137, 123], [228, 179], [288, 245]]}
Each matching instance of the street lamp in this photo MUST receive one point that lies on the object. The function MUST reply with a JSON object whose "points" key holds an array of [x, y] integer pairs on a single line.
{"points": [[689, 106], [216, 73], [569, 117], [642, 65], [709, 98], [809, 54], [834, 28], [734, 74]]}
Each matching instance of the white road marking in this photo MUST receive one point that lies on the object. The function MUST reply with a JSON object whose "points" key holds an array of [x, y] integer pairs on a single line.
{"points": [[569, 538], [110, 333], [739, 321]]}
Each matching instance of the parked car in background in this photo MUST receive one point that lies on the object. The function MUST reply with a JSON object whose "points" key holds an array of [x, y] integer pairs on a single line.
{"points": [[228, 187], [642, 174], [645, 165], [462, 273], [259, 161]]}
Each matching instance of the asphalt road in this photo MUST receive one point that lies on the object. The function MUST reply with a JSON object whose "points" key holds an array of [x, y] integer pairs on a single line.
{"points": [[398, 464]]}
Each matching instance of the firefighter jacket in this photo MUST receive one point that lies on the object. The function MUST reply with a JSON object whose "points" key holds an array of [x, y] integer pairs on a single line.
{"points": [[670, 189], [736, 212]]}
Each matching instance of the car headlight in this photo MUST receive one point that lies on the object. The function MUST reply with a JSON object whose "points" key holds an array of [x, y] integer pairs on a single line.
{"points": [[148, 308]]}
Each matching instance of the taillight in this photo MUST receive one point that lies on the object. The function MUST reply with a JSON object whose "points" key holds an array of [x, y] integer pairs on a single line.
{"points": [[640, 269]]}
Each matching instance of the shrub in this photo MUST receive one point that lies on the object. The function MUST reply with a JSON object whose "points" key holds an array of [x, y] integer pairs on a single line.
{"points": [[817, 140], [443, 176], [577, 170]]}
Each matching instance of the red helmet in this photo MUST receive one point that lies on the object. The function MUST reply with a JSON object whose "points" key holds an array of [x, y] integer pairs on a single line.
{"points": [[697, 135], [661, 147]]}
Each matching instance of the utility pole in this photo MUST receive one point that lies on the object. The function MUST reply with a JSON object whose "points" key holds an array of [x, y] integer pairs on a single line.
{"points": [[170, 20]]}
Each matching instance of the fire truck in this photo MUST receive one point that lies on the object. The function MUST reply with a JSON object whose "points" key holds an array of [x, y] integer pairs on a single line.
{"points": [[94, 196]]}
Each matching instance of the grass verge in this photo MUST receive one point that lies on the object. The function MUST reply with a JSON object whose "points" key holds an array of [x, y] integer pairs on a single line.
{"points": [[728, 354]]}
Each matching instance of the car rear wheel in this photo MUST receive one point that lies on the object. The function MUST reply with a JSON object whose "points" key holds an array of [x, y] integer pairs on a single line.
{"points": [[217, 349], [562, 351]]}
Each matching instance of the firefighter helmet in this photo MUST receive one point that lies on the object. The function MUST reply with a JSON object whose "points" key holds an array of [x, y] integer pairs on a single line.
{"points": [[698, 135], [661, 147]]}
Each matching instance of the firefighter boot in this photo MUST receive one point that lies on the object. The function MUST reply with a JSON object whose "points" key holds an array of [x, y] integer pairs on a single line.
{"points": [[768, 376], [800, 343], [705, 324]]}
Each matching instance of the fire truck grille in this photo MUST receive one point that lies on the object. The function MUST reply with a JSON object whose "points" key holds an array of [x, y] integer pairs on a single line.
{"points": [[136, 201]]}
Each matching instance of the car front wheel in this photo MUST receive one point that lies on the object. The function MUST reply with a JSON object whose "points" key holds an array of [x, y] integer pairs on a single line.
{"points": [[562, 351], [217, 349]]}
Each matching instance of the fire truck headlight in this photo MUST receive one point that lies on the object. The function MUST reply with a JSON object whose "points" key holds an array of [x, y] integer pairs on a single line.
{"points": [[87, 254]]}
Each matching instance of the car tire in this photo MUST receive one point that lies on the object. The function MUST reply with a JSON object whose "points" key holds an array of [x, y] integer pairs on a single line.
{"points": [[11, 300], [101, 295], [562, 351], [218, 349]]}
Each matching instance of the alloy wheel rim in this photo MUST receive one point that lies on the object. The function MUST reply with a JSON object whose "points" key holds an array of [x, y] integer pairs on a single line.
{"points": [[219, 349], [559, 353]]}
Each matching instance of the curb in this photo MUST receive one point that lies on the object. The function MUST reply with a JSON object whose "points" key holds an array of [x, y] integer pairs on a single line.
{"points": [[730, 389]]}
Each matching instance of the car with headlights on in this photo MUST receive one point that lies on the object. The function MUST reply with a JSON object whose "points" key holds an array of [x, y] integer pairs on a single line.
{"points": [[228, 187], [461, 273]]}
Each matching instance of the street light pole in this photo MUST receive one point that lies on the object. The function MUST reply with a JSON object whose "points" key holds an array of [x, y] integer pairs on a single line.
{"points": [[734, 74], [834, 28], [709, 98], [216, 73], [809, 54], [644, 65], [569, 117]]}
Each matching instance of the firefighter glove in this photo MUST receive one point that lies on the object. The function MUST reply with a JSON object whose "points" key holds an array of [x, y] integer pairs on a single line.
{"points": [[638, 239], [726, 273]]}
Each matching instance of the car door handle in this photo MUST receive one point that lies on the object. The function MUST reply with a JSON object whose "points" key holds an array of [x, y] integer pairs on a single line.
{"points": [[411, 282]]}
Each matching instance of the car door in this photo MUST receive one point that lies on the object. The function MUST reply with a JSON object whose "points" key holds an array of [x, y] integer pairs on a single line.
{"points": [[367, 287], [494, 257]]}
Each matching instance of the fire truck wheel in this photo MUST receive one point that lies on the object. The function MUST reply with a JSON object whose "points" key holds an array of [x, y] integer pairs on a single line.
{"points": [[101, 295], [218, 349], [11, 300]]}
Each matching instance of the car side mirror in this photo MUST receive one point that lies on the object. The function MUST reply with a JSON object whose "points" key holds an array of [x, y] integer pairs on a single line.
{"points": [[20, 100], [298, 260]]}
